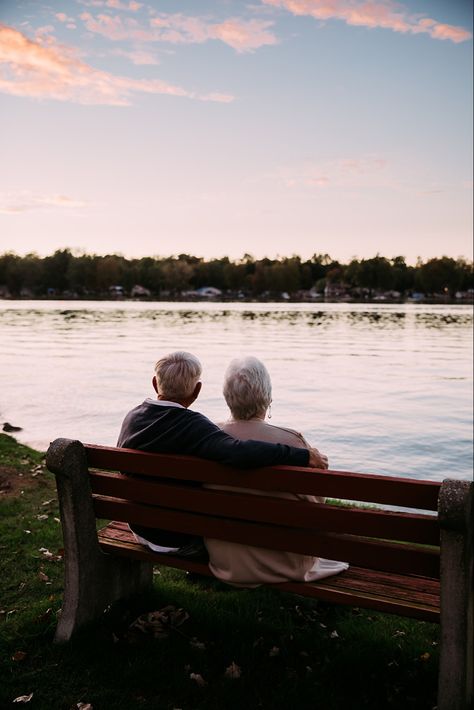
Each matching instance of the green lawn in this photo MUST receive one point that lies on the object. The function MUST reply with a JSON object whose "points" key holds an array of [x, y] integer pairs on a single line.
{"points": [[292, 653]]}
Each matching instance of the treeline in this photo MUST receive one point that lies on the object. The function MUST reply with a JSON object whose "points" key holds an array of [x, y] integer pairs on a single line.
{"points": [[65, 273]]}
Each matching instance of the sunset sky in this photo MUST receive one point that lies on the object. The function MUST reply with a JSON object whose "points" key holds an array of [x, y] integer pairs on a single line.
{"points": [[273, 127]]}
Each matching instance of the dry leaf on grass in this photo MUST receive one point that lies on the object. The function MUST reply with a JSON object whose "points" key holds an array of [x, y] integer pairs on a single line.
{"points": [[23, 698], [233, 671], [425, 656], [195, 643], [157, 624], [19, 656], [44, 577], [49, 555], [42, 517], [198, 679], [334, 635], [84, 706]]}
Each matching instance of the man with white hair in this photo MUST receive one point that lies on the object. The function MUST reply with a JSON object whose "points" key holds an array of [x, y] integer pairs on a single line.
{"points": [[166, 425]]}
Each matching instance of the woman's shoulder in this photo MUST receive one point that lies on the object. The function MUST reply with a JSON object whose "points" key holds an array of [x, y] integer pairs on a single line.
{"points": [[263, 431], [289, 432]]}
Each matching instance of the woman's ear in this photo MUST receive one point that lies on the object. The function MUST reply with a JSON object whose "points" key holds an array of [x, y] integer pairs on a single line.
{"points": [[155, 386]]}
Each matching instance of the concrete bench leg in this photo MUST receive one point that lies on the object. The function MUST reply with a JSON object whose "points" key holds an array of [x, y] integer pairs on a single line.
{"points": [[93, 580], [456, 673]]}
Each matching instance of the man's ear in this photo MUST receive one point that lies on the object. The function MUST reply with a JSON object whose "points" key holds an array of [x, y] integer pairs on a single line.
{"points": [[155, 386], [196, 390]]}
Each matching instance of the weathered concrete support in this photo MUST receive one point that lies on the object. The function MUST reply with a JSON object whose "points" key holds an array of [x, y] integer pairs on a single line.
{"points": [[456, 672], [93, 580]]}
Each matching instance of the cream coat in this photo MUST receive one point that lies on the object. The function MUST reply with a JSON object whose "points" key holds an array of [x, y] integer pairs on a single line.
{"points": [[246, 566]]}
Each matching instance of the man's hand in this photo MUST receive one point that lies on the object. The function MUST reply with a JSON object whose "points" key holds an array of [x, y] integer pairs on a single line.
{"points": [[317, 460]]}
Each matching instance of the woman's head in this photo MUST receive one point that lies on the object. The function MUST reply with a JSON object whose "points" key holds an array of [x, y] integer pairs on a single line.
{"points": [[247, 388]]}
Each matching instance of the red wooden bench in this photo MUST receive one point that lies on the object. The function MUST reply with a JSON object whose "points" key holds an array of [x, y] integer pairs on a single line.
{"points": [[417, 564]]}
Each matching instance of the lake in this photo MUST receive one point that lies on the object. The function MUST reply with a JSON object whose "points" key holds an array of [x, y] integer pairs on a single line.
{"points": [[378, 388]]}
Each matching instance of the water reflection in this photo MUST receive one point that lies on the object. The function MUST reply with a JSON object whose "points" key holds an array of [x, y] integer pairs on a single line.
{"points": [[354, 316], [383, 388]]}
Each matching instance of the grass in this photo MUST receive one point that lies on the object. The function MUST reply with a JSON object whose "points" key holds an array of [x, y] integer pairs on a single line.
{"points": [[285, 646]]}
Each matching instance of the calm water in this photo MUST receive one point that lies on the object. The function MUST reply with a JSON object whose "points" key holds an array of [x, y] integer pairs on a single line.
{"points": [[379, 388]]}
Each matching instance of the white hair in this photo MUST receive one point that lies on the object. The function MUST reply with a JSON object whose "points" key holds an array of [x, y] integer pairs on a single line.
{"points": [[247, 388], [177, 374]]}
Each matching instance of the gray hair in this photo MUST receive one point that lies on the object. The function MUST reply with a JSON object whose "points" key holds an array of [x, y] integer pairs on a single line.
{"points": [[247, 388], [177, 374]]}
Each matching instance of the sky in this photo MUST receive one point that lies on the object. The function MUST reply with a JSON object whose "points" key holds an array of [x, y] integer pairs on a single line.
{"points": [[274, 127]]}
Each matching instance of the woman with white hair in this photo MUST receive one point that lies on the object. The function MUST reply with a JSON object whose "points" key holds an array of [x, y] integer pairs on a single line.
{"points": [[248, 393]]}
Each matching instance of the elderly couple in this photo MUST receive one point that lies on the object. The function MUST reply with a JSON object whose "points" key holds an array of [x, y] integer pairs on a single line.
{"points": [[166, 425]]}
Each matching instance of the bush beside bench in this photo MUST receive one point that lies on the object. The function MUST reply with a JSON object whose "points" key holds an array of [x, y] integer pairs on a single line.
{"points": [[413, 564]]}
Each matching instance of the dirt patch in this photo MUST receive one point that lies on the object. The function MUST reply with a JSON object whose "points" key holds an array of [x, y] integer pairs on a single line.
{"points": [[13, 481]]}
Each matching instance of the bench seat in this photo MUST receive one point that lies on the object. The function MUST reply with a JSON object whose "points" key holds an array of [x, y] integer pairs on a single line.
{"points": [[405, 595]]}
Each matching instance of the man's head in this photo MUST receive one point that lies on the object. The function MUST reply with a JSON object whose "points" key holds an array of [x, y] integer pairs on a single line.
{"points": [[177, 377]]}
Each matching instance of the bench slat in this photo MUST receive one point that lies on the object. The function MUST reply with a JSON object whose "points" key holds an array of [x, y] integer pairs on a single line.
{"points": [[360, 551], [382, 592], [389, 490], [421, 529]]}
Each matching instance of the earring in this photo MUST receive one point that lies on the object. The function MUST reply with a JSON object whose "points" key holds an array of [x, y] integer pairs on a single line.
{"points": [[269, 412]]}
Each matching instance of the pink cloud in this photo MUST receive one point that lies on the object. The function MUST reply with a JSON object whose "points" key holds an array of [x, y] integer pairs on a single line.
{"points": [[138, 56], [384, 13], [116, 28], [48, 71], [244, 36], [241, 35], [20, 201], [132, 6], [342, 172]]}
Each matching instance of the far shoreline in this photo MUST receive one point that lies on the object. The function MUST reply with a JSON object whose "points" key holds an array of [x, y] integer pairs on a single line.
{"points": [[441, 300]]}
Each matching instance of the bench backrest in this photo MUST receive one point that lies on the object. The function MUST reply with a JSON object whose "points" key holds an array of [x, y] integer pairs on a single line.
{"points": [[157, 495]]}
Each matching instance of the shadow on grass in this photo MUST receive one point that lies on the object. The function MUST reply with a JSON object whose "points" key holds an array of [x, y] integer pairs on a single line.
{"points": [[292, 652]]}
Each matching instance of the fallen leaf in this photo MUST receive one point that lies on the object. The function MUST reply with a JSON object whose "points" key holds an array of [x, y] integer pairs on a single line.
{"points": [[425, 656], [19, 656], [158, 624], [45, 616], [334, 635], [197, 644], [199, 680], [233, 671], [23, 698], [84, 706], [399, 633], [274, 651], [42, 517], [47, 502], [28, 532], [323, 626], [44, 577]]}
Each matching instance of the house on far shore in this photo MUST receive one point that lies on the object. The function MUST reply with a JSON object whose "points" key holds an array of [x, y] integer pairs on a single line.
{"points": [[116, 291], [336, 291], [140, 292], [208, 292]]}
